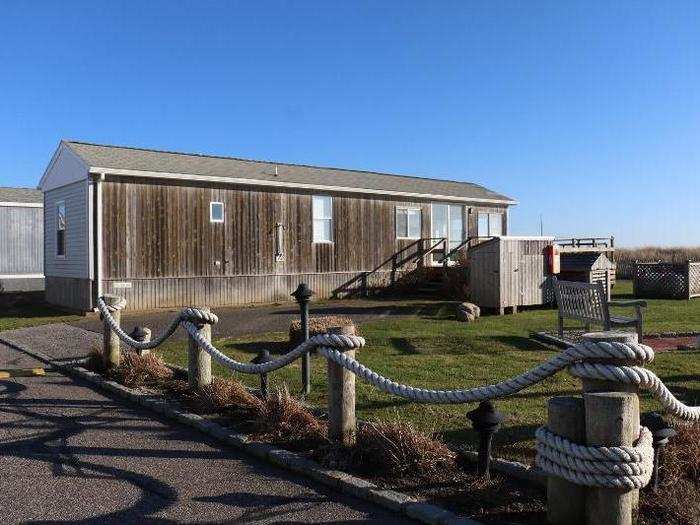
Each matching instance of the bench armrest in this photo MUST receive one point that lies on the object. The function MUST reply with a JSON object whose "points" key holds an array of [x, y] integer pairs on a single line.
{"points": [[633, 302]]}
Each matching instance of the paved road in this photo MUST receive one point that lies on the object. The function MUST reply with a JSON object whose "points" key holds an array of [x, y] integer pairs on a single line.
{"points": [[71, 454], [238, 321]]}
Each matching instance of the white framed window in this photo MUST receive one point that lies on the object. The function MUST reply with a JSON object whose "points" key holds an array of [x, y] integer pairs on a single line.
{"points": [[216, 212], [322, 211], [408, 222], [61, 229], [490, 224]]}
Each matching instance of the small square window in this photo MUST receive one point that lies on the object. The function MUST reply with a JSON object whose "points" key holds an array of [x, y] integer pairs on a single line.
{"points": [[216, 212]]}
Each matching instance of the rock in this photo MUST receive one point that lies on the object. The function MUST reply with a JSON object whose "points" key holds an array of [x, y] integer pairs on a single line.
{"points": [[471, 308], [465, 317]]}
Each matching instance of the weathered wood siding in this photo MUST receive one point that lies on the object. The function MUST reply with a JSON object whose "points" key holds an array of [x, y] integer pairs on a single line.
{"points": [[157, 239], [507, 272]]}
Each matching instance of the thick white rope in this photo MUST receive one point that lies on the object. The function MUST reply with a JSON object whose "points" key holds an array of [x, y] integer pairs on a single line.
{"points": [[187, 314], [615, 467], [593, 466], [320, 340]]}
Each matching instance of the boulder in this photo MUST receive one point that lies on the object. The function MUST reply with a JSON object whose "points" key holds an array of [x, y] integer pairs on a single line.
{"points": [[471, 308], [465, 317]]}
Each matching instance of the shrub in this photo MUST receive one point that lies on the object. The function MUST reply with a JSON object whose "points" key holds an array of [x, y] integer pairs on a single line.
{"points": [[227, 394], [317, 325], [676, 499], [284, 420], [141, 370], [397, 448]]}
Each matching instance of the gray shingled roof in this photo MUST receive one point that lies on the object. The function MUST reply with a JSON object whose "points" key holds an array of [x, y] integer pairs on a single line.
{"points": [[117, 157], [21, 195]]}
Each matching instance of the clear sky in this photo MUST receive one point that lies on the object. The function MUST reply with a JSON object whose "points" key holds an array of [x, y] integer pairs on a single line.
{"points": [[587, 113]]}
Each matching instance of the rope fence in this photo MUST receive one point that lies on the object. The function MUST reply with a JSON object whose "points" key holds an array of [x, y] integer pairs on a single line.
{"points": [[612, 362]]}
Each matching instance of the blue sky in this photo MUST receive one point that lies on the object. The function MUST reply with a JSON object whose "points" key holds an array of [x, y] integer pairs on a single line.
{"points": [[587, 113]]}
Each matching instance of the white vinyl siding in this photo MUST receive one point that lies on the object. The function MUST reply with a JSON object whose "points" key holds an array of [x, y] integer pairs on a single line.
{"points": [[322, 209], [75, 262], [408, 223]]}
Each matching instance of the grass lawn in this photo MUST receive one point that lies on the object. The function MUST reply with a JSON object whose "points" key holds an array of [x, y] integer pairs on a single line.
{"points": [[432, 350], [20, 316]]}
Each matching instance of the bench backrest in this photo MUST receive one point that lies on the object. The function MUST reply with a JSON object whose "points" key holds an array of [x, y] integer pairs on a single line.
{"points": [[583, 301]]}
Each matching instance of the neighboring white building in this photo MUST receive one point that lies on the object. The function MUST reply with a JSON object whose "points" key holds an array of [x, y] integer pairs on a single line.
{"points": [[21, 240]]}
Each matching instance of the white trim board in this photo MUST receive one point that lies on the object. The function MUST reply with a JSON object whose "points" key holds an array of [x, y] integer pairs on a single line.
{"points": [[23, 276], [23, 204], [298, 185]]}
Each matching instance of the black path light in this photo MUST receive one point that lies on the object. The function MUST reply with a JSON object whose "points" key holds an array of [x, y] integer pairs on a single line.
{"points": [[661, 432], [486, 420], [303, 295], [263, 357]]}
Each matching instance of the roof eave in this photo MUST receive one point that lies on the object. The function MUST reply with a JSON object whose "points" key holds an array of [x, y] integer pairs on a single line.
{"points": [[297, 185]]}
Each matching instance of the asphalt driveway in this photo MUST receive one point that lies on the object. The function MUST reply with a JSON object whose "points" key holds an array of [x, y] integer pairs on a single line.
{"points": [[239, 321], [69, 454]]}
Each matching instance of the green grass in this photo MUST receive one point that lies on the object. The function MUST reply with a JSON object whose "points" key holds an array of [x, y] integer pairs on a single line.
{"points": [[432, 350], [20, 316]]}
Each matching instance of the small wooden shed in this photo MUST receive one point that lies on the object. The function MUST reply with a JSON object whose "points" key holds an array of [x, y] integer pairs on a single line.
{"points": [[507, 272], [21, 240], [587, 267]]}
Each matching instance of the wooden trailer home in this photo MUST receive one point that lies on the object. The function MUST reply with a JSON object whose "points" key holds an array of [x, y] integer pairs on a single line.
{"points": [[21, 240], [168, 229]]}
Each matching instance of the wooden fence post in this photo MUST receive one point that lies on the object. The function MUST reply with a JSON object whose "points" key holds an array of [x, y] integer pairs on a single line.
{"points": [[111, 352], [599, 385], [612, 419], [198, 361], [566, 501], [342, 425]]}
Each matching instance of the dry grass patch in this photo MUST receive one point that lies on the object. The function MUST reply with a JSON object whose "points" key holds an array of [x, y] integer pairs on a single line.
{"points": [[653, 253], [317, 325], [284, 420], [397, 448], [141, 370], [225, 394], [676, 501]]}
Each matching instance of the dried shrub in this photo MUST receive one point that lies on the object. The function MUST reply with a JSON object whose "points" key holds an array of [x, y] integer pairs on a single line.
{"points": [[228, 395], [137, 370], [396, 449], [284, 420], [95, 361], [317, 325], [654, 253], [676, 500]]}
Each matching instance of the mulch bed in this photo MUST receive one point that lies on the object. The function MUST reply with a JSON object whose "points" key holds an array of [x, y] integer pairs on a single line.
{"points": [[660, 342]]}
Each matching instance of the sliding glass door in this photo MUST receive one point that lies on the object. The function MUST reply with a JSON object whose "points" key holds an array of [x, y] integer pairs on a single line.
{"points": [[447, 221]]}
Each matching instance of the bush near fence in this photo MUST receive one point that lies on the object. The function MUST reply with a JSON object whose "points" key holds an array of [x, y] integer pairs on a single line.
{"points": [[625, 257]]}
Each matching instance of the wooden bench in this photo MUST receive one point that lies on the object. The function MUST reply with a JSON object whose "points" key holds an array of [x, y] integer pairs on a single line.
{"points": [[588, 303]]}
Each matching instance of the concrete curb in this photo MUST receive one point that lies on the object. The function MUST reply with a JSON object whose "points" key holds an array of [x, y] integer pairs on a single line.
{"points": [[335, 479]]}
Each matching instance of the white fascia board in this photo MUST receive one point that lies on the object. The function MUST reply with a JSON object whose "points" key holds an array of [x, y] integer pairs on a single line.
{"points": [[295, 185], [527, 238], [23, 276], [23, 204]]}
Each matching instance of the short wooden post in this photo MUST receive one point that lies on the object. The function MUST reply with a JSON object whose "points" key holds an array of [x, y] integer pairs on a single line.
{"points": [[342, 425], [111, 352], [198, 361], [599, 385], [612, 419], [566, 501]]}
